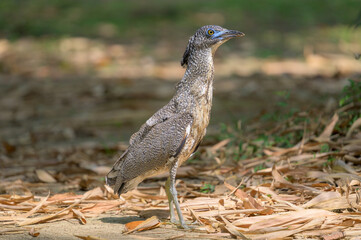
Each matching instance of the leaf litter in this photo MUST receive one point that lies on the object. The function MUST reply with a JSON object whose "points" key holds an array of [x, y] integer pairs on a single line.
{"points": [[310, 189]]}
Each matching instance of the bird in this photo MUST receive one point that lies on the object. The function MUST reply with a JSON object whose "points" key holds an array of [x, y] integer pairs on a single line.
{"points": [[169, 137]]}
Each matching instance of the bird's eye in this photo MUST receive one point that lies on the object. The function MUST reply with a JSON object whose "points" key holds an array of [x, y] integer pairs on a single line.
{"points": [[210, 32]]}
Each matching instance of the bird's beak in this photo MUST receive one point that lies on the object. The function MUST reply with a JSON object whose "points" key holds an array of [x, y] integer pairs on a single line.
{"points": [[227, 34]]}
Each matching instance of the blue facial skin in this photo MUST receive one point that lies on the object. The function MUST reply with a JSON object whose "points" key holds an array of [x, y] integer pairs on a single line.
{"points": [[217, 34], [225, 34]]}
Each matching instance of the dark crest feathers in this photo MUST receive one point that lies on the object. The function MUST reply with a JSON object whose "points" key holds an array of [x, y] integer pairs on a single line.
{"points": [[187, 52]]}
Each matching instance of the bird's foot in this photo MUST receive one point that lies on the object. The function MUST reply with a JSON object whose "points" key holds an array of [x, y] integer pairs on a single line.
{"points": [[180, 224], [173, 220], [185, 226]]}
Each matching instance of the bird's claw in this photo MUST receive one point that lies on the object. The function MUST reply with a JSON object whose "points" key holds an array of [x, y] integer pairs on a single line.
{"points": [[173, 220], [180, 225], [185, 226]]}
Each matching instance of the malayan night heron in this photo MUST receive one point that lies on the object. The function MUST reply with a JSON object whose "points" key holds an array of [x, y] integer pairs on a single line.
{"points": [[173, 133]]}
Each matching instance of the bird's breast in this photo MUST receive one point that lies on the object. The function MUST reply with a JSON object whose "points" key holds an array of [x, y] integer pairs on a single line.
{"points": [[201, 116]]}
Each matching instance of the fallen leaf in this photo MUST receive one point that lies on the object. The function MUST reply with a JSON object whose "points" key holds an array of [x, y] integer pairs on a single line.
{"points": [[333, 236], [323, 197], [89, 237], [279, 180], [233, 229], [64, 196], [290, 218], [33, 232], [150, 223], [79, 216], [245, 197], [327, 132], [219, 145], [44, 176], [282, 234], [35, 209], [101, 207], [60, 213], [132, 225], [355, 125]]}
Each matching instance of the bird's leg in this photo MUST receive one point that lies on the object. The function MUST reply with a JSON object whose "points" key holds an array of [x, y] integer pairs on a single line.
{"points": [[173, 193], [170, 200]]}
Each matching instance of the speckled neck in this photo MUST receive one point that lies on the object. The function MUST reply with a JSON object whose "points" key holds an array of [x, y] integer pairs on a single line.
{"points": [[196, 86], [199, 70]]}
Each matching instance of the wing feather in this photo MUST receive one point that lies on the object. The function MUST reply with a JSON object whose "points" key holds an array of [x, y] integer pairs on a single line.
{"points": [[151, 152]]}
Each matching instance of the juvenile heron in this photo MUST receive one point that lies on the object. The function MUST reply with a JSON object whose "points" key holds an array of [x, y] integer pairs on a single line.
{"points": [[173, 133]]}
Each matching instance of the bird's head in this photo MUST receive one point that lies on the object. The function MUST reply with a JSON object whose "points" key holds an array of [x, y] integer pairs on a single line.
{"points": [[208, 37]]}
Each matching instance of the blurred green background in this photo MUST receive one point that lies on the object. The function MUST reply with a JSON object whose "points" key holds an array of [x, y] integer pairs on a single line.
{"points": [[75, 71], [275, 27]]}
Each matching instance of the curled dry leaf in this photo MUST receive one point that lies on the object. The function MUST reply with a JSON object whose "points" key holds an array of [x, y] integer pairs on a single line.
{"points": [[79, 215], [249, 201], [33, 232], [150, 223]]}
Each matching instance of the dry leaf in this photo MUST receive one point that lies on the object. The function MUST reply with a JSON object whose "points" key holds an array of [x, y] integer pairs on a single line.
{"points": [[327, 132], [220, 145], [333, 236], [89, 237], [102, 207], [245, 197], [323, 197], [35, 209], [150, 223], [132, 225], [79, 216], [60, 213], [355, 125], [64, 196], [44, 176], [233, 229], [33, 232], [287, 219], [280, 180], [315, 223]]}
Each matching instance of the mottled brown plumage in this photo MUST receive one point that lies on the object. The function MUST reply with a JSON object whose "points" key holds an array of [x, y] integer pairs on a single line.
{"points": [[173, 133]]}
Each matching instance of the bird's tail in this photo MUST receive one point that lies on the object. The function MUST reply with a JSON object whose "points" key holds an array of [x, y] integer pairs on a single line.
{"points": [[113, 180]]}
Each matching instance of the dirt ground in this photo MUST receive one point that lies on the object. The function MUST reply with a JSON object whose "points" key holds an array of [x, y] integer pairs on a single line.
{"points": [[107, 226]]}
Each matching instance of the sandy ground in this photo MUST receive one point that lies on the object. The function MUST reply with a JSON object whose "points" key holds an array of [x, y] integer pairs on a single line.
{"points": [[106, 226]]}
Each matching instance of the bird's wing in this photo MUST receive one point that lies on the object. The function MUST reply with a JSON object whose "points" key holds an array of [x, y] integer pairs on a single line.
{"points": [[160, 116], [151, 152]]}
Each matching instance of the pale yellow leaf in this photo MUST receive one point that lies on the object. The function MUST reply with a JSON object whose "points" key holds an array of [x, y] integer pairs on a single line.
{"points": [[327, 132], [323, 197], [44, 176], [35, 209]]}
